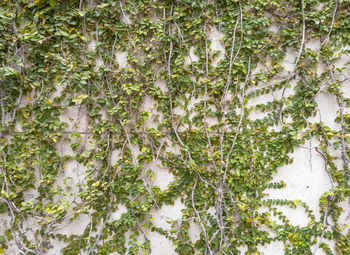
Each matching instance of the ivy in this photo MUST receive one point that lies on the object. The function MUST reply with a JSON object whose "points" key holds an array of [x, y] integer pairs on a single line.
{"points": [[151, 89]]}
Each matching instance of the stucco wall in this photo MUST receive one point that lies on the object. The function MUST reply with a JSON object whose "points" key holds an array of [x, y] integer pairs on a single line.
{"points": [[305, 179]]}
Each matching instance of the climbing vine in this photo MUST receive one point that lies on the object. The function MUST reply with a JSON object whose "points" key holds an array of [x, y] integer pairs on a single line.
{"points": [[146, 79]]}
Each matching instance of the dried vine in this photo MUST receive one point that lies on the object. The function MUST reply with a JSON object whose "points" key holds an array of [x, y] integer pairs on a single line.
{"points": [[145, 78]]}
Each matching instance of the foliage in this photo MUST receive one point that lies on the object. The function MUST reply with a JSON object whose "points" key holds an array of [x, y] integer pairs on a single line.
{"points": [[60, 56]]}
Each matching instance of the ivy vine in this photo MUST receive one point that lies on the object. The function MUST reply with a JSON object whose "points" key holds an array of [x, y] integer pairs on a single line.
{"points": [[59, 56]]}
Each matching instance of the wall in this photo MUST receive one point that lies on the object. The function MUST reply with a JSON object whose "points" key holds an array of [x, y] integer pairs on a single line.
{"points": [[306, 178]]}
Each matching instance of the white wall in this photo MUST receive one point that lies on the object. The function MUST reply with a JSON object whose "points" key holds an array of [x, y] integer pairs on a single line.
{"points": [[306, 178]]}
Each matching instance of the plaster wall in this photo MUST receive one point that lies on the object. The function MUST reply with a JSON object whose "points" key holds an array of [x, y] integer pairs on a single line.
{"points": [[306, 178]]}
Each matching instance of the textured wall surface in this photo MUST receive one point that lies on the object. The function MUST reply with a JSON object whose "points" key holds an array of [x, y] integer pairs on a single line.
{"points": [[91, 155], [305, 179]]}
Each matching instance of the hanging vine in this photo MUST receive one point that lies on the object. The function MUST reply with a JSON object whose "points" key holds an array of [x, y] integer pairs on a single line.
{"points": [[60, 56]]}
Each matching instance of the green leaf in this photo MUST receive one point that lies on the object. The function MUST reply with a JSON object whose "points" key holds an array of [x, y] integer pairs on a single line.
{"points": [[52, 3]]}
